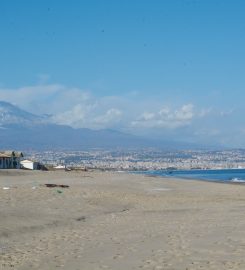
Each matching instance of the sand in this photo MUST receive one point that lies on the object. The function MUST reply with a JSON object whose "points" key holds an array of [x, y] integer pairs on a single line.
{"points": [[119, 221]]}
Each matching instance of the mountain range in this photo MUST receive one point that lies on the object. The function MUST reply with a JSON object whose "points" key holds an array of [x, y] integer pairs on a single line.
{"points": [[20, 129]]}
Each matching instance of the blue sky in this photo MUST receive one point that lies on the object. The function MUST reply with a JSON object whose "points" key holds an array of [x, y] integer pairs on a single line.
{"points": [[169, 69]]}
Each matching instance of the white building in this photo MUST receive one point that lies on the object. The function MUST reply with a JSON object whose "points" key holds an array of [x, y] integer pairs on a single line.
{"points": [[29, 164], [60, 167]]}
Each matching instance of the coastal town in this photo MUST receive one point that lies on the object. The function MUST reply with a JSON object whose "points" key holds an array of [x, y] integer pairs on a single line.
{"points": [[145, 159], [126, 160]]}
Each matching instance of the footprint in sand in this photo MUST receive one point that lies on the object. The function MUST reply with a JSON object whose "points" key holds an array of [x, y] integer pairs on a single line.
{"points": [[118, 256]]}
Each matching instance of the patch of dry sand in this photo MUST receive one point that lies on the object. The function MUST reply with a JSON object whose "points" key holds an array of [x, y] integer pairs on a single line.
{"points": [[119, 221]]}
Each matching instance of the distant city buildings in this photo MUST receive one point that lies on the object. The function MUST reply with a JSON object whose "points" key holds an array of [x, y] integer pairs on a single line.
{"points": [[145, 159]]}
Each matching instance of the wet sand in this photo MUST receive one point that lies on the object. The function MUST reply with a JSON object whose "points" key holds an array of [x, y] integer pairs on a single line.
{"points": [[119, 221]]}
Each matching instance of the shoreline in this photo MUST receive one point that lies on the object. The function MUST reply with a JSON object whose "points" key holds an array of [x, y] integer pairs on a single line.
{"points": [[154, 173], [220, 169], [197, 179]]}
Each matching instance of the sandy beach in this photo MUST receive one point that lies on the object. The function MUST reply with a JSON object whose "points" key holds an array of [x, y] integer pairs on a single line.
{"points": [[119, 221]]}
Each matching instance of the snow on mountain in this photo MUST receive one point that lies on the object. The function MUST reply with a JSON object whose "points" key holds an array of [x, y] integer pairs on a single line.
{"points": [[10, 114], [23, 130]]}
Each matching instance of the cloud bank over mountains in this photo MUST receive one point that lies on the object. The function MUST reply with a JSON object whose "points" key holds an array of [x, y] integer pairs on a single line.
{"points": [[166, 118], [79, 108]]}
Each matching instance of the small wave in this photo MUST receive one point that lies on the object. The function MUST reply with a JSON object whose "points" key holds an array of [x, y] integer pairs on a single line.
{"points": [[237, 180]]}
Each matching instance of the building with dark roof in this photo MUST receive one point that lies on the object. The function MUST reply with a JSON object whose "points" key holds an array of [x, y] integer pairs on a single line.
{"points": [[10, 159]]}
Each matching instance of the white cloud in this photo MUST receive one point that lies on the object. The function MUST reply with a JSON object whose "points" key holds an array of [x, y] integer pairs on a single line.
{"points": [[79, 108], [146, 116], [111, 116], [166, 118], [227, 112], [70, 106], [185, 113], [205, 112], [52, 99], [215, 112], [30, 97], [75, 117]]}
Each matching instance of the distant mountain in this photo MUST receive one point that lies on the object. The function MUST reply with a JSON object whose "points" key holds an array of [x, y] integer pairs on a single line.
{"points": [[22, 130], [51, 136], [10, 114]]}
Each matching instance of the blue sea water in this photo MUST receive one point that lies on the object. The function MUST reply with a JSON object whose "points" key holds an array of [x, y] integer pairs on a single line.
{"points": [[226, 175]]}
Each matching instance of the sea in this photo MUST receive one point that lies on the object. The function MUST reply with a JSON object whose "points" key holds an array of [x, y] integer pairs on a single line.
{"points": [[220, 175]]}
